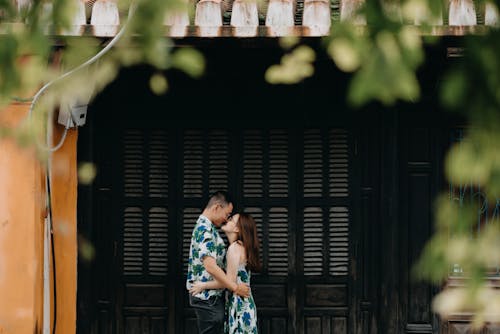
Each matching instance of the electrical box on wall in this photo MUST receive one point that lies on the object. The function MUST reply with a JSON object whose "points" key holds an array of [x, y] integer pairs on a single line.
{"points": [[72, 114]]}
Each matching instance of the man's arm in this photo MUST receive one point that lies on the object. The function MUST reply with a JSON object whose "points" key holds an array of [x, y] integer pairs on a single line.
{"points": [[219, 275]]}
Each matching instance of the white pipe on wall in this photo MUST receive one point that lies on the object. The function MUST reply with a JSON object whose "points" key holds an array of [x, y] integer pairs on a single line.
{"points": [[46, 276]]}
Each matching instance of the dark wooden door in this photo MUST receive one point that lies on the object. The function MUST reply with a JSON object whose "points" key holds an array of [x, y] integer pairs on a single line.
{"points": [[295, 181]]}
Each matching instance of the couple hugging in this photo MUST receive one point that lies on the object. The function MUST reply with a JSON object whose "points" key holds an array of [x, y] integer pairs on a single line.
{"points": [[206, 279]]}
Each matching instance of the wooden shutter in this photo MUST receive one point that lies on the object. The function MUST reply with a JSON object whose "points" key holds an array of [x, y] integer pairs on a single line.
{"points": [[193, 164], [278, 164], [189, 218], [338, 163], [133, 164], [205, 165], [339, 240], [265, 185], [326, 180], [158, 241], [132, 241], [278, 242], [253, 164], [145, 224], [158, 165], [218, 160], [313, 241]]}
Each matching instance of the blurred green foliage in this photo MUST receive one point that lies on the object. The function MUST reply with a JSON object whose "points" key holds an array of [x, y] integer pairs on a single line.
{"points": [[383, 56]]}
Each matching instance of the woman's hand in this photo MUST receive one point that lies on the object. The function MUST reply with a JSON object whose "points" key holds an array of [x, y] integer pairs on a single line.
{"points": [[197, 288]]}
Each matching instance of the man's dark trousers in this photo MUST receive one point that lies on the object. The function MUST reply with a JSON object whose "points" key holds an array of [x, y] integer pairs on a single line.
{"points": [[209, 313]]}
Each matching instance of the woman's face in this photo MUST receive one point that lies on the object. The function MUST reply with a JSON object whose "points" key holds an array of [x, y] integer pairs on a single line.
{"points": [[232, 224]]}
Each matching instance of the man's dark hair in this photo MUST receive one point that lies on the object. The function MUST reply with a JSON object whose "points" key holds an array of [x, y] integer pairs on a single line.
{"points": [[219, 197]]}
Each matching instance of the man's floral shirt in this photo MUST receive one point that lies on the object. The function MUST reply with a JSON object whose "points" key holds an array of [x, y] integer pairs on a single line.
{"points": [[205, 241]]}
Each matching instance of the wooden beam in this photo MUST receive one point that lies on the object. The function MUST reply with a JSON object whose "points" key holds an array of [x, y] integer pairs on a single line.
{"points": [[178, 21], [280, 17], [20, 4], [245, 18], [423, 15], [491, 17], [462, 13], [105, 18], [349, 11], [317, 17], [208, 17], [78, 21]]}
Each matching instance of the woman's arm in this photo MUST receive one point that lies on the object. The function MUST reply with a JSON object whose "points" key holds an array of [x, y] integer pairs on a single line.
{"points": [[233, 260], [222, 280]]}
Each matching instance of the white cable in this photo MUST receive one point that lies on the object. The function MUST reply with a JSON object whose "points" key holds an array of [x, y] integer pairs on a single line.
{"points": [[61, 141], [79, 67]]}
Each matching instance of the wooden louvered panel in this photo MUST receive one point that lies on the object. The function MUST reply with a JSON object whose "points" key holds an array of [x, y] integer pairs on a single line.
{"points": [[339, 241], [313, 241], [339, 163], [189, 218], [158, 241], [158, 164], [193, 164], [278, 242], [132, 164], [278, 163], [132, 241], [218, 161], [252, 164], [257, 216], [313, 164]]}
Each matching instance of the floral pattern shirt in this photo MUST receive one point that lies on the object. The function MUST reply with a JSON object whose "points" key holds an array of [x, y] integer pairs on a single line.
{"points": [[205, 241]]}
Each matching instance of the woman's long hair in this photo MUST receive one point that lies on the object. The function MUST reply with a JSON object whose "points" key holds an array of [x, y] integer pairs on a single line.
{"points": [[250, 240]]}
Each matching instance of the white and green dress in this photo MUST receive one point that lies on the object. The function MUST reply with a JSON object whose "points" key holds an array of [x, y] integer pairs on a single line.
{"points": [[241, 312]]}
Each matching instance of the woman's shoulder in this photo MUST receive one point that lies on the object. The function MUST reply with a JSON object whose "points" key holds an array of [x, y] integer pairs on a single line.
{"points": [[237, 250], [236, 246]]}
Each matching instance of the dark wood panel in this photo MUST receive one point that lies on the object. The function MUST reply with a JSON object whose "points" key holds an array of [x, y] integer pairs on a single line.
{"points": [[158, 325], [279, 325], [154, 214], [145, 295], [419, 225], [419, 145], [326, 295], [325, 325], [492, 329], [419, 177], [339, 325], [313, 325], [269, 295], [190, 326], [272, 325], [419, 329], [461, 328], [104, 323]]}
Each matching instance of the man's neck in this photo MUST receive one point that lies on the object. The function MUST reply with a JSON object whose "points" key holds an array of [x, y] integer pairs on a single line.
{"points": [[207, 215]]}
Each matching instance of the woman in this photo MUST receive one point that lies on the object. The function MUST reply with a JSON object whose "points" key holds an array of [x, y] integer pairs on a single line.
{"points": [[242, 259]]}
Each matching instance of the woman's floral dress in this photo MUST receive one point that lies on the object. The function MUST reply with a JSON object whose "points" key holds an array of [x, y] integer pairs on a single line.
{"points": [[241, 312]]}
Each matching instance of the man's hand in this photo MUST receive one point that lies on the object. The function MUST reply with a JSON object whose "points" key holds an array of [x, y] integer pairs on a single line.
{"points": [[197, 288], [242, 290]]}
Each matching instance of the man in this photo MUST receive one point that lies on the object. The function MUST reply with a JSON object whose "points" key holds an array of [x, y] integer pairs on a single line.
{"points": [[206, 258]]}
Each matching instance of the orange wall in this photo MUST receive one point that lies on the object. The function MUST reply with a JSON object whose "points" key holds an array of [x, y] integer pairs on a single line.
{"points": [[22, 208], [64, 191], [21, 231]]}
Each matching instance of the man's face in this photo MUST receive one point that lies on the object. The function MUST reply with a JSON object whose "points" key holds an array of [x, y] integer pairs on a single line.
{"points": [[222, 213]]}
